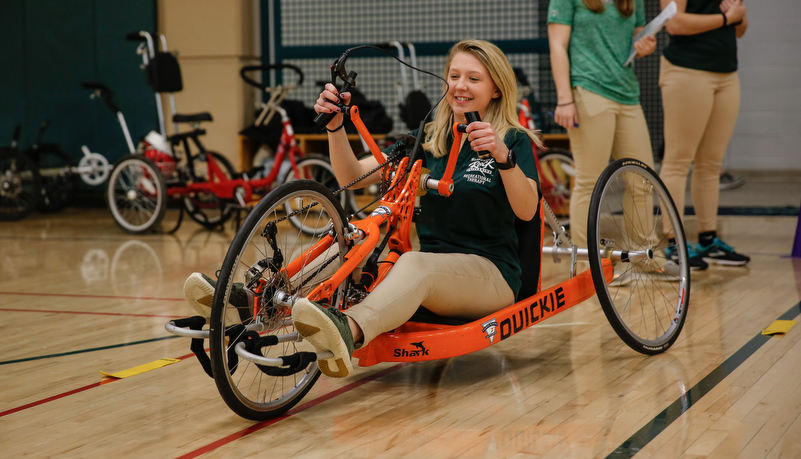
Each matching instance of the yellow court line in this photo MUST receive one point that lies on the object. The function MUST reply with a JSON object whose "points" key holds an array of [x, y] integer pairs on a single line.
{"points": [[140, 369]]}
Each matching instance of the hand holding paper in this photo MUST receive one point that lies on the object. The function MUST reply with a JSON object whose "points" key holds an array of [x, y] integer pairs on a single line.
{"points": [[652, 28]]}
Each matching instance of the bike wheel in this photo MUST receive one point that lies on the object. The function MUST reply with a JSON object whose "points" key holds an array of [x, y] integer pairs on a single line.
{"points": [[136, 194], [20, 186], [317, 168], [631, 218], [557, 177], [58, 183], [204, 207], [258, 257]]}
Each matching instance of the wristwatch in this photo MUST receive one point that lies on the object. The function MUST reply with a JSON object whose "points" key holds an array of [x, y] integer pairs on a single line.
{"points": [[511, 162]]}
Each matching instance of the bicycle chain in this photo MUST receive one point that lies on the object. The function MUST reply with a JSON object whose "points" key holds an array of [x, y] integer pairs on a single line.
{"points": [[392, 157]]}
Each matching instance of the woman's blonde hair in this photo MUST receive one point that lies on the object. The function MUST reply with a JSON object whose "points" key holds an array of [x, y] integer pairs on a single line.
{"points": [[502, 110], [624, 7]]}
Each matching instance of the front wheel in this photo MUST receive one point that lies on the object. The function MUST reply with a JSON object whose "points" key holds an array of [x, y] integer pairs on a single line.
{"points": [[269, 261], [136, 194], [632, 217], [318, 168]]}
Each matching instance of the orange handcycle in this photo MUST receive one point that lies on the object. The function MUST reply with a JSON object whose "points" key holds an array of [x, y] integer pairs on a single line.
{"points": [[262, 367]]}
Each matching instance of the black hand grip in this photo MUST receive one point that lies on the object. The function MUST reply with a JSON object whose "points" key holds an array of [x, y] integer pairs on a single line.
{"points": [[472, 117], [322, 119]]}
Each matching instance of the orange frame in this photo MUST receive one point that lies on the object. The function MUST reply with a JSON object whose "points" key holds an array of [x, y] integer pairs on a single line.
{"points": [[416, 341]]}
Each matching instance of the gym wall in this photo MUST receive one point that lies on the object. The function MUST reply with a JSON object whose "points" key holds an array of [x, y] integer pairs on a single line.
{"points": [[50, 47]]}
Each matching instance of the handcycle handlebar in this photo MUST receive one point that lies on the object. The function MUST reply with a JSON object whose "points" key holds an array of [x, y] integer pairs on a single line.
{"points": [[265, 68], [322, 119]]}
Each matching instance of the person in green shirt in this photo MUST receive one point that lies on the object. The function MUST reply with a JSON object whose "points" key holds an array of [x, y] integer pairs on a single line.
{"points": [[467, 266], [598, 98]]}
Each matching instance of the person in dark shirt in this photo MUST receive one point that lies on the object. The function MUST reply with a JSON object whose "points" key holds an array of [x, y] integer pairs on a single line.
{"points": [[701, 98]]}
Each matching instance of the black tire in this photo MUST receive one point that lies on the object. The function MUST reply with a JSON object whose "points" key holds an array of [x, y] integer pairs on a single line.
{"points": [[20, 186], [207, 208], [647, 305], [58, 183], [249, 390], [318, 168], [557, 177], [136, 194]]}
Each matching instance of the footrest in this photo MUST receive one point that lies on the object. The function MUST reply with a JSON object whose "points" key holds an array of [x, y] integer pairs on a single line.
{"points": [[189, 327]]}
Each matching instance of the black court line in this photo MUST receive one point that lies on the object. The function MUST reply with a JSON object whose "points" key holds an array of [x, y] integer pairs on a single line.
{"points": [[83, 351], [648, 432]]}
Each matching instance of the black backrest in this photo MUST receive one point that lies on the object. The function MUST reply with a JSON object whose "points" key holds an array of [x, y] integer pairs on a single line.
{"points": [[529, 250], [164, 73]]}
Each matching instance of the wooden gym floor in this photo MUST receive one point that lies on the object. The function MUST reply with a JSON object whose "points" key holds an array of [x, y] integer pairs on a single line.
{"points": [[78, 295]]}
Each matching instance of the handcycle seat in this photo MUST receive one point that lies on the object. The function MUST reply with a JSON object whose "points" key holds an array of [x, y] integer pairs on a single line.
{"points": [[529, 251], [193, 118]]}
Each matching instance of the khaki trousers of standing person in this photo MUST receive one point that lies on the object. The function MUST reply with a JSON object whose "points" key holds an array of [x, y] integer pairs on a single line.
{"points": [[606, 128], [700, 112], [447, 284]]}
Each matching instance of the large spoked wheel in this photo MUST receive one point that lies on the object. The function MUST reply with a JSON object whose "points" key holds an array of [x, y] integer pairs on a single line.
{"points": [[20, 186], [205, 207], [631, 218], [557, 177], [317, 168], [258, 260], [136, 194]]}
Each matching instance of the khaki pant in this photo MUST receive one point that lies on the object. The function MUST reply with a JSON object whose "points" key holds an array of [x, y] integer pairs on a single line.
{"points": [[606, 128], [452, 284], [700, 113]]}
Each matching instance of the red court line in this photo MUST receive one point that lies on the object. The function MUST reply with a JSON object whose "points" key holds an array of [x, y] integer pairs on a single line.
{"points": [[51, 311], [261, 425], [113, 297]]}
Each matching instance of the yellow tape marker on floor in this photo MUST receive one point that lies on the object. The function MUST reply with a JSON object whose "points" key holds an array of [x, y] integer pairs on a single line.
{"points": [[140, 369], [779, 326]]}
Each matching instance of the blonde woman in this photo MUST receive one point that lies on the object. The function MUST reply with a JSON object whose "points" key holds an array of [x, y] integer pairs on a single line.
{"points": [[467, 266]]}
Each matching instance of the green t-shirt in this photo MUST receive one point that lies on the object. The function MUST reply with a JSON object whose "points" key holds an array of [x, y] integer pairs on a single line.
{"points": [[599, 45], [477, 217]]}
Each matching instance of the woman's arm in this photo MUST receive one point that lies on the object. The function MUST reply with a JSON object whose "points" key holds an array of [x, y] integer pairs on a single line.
{"points": [[693, 24], [347, 167], [558, 40], [733, 7]]}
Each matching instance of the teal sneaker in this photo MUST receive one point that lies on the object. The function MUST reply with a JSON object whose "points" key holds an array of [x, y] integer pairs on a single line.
{"points": [[696, 261], [199, 292], [326, 329], [721, 253]]}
